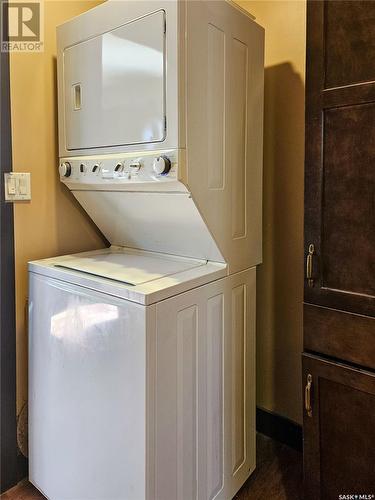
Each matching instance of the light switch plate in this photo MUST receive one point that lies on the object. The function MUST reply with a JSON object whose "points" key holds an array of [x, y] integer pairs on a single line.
{"points": [[17, 186]]}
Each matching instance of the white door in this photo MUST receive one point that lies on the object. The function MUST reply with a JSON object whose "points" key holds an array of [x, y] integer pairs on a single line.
{"points": [[86, 393], [114, 86]]}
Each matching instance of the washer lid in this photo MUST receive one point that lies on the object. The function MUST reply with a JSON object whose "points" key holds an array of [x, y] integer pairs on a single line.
{"points": [[129, 268]]}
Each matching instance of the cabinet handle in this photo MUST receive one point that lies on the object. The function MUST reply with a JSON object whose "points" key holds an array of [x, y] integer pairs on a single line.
{"points": [[308, 406], [309, 265]]}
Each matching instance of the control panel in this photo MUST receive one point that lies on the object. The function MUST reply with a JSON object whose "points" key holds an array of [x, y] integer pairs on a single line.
{"points": [[121, 172]]}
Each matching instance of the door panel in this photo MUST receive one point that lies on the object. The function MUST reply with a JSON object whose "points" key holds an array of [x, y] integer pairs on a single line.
{"points": [[347, 434], [340, 154], [339, 436], [350, 42], [348, 204], [120, 100], [238, 335], [205, 354]]}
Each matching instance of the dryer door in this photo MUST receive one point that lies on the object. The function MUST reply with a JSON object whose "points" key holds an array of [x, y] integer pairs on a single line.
{"points": [[114, 86]]}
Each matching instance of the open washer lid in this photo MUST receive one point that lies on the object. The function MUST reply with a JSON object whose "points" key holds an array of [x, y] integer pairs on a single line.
{"points": [[129, 268]]}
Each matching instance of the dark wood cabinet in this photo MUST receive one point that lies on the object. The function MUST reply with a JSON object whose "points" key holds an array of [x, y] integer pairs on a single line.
{"points": [[340, 155], [339, 309], [339, 454], [340, 335]]}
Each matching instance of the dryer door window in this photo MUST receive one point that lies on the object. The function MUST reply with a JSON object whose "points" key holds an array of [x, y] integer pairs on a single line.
{"points": [[114, 86]]}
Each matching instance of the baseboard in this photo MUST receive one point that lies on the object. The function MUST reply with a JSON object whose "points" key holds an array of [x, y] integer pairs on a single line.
{"points": [[279, 428], [22, 471], [22, 466]]}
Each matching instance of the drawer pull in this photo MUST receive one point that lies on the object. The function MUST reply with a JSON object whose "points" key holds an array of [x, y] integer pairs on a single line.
{"points": [[309, 265], [308, 406]]}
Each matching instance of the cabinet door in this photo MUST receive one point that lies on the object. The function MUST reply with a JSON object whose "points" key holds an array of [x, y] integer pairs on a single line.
{"points": [[340, 156], [339, 430]]}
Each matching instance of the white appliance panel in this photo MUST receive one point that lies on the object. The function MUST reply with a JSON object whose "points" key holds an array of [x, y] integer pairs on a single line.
{"points": [[87, 369], [126, 172], [114, 86], [205, 390], [142, 403], [159, 222], [192, 273], [130, 268], [224, 126]]}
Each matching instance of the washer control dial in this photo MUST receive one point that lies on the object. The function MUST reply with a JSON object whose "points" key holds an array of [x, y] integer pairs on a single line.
{"points": [[65, 169], [162, 165]]}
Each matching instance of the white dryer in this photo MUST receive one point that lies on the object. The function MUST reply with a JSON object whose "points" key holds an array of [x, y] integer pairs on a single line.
{"points": [[142, 355]]}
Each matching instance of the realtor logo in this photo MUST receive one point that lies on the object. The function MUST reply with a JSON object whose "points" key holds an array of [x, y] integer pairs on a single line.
{"points": [[22, 28]]}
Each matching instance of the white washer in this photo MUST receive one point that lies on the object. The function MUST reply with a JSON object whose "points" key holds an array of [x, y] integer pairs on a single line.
{"points": [[139, 363]]}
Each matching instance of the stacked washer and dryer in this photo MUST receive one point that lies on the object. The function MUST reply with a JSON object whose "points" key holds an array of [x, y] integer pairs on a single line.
{"points": [[142, 354]]}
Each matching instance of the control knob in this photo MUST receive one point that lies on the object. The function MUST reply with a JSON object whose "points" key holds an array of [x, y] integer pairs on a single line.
{"points": [[135, 166], [65, 169], [162, 165]]}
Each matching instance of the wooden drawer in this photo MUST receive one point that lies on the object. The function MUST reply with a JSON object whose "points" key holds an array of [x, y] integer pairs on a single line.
{"points": [[338, 334]]}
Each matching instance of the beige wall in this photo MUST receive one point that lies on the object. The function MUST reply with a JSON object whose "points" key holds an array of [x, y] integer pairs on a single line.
{"points": [[52, 223], [280, 278]]}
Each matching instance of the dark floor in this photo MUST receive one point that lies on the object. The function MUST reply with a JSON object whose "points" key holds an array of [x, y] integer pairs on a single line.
{"points": [[278, 476]]}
